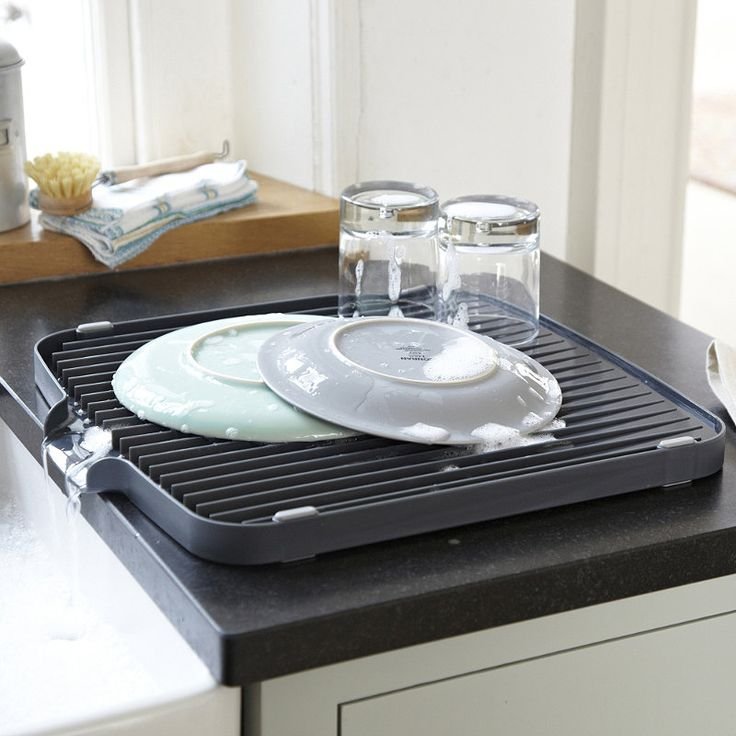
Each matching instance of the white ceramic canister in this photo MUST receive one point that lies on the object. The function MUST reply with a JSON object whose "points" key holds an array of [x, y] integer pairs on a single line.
{"points": [[14, 210]]}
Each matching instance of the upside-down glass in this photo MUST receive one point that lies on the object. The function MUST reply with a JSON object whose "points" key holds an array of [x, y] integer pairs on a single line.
{"points": [[388, 250], [489, 266]]}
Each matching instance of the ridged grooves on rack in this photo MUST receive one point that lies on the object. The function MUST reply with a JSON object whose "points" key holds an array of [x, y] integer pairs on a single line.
{"points": [[608, 414]]}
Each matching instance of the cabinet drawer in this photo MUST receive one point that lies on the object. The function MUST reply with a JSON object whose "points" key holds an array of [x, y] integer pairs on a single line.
{"points": [[676, 680]]}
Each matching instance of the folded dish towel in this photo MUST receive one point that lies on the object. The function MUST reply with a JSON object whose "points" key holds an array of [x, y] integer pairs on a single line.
{"points": [[126, 218], [720, 366]]}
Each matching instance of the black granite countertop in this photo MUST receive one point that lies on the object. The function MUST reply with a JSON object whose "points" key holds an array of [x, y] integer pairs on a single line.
{"points": [[252, 623]]}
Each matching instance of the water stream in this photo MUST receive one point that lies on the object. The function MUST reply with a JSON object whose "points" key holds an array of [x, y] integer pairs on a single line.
{"points": [[75, 450]]}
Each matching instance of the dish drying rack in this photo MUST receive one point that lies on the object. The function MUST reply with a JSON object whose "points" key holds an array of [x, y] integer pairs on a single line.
{"points": [[251, 503]]}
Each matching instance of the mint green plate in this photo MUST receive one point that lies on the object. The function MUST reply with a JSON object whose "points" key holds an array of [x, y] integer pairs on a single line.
{"points": [[204, 380]]}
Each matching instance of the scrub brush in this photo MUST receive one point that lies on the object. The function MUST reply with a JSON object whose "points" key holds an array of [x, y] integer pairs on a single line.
{"points": [[65, 181]]}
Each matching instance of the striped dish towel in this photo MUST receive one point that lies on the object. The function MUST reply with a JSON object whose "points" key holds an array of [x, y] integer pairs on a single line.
{"points": [[126, 218]]}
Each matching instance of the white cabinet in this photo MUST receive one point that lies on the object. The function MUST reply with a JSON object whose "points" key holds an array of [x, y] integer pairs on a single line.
{"points": [[662, 663], [678, 680]]}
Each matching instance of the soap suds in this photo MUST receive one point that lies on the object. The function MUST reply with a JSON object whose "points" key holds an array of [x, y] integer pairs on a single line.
{"points": [[461, 359], [47, 667], [555, 424], [421, 432], [499, 437]]}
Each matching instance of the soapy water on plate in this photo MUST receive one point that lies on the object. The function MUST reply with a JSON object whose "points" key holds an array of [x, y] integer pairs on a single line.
{"points": [[426, 433], [462, 358], [225, 349], [491, 436], [175, 407], [499, 437]]}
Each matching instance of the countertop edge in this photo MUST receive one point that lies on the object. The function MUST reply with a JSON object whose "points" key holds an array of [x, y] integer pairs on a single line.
{"points": [[463, 609], [477, 607]]}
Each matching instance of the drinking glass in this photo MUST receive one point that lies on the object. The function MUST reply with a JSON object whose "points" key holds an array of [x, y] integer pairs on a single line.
{"points": [[388, 250], [489, 266]]}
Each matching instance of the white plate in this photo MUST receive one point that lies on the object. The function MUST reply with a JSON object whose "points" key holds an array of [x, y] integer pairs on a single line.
{"points": [[204, 379], [409, 379]]}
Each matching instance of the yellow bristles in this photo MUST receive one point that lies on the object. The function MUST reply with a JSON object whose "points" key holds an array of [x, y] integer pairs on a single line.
{"points": [[65, 175], [64, 181]]}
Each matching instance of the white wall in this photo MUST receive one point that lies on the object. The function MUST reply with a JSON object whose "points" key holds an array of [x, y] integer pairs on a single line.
{"points": [[642, 144], [180, 59], [469, 98], [272, 88]]}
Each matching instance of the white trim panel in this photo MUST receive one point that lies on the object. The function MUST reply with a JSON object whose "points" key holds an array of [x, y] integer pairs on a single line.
{"points": [[630, 143]]}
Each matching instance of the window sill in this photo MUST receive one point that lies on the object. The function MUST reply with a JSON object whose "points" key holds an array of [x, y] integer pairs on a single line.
{"points": [[285, 217]]}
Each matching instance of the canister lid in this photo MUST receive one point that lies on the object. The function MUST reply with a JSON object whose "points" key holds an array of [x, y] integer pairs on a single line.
{"points": [[483, 218], [9, 57]]}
